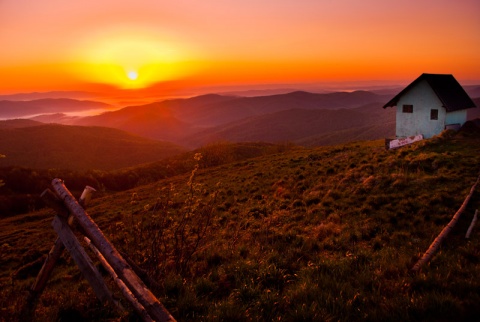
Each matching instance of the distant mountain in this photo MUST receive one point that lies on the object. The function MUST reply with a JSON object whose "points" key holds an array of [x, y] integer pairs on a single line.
{"points": [[306, 127], [152, 121], [17, 109], [60, 118], [224, 112], [258, 92], [176, 119], [52, 94], [300, 117], [472, 90], [78, 148], [18, 123], [474, 113]]}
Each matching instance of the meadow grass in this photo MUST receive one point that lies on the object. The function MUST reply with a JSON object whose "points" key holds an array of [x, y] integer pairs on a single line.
{"points": [[329, 233]]}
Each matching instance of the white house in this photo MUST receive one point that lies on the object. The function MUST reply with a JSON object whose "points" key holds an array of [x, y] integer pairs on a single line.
{"points": [[429, 105]]}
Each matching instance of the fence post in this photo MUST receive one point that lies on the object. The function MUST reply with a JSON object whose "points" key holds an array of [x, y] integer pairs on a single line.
{"points": [[84, 262], [126, 292], [427, 256], [472, 224], [154, 308]]}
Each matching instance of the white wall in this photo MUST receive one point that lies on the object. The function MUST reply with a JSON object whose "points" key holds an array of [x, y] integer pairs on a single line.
{"points": [[457, 117], [423, 99]]}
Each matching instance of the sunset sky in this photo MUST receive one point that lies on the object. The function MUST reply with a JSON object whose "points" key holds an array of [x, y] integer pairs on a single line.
{"points": [[102, 45]]}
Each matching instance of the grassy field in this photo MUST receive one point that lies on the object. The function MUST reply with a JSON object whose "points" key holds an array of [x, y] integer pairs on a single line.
{"points": [[329, 233]]}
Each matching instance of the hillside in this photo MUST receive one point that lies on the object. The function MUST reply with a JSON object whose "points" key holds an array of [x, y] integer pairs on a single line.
{"points": [[77, 148], [23, 109], [327, 233], [238, 108], [152, 120], [303, 126], [303, 118], [210, 116], [79, 95], [18, 123], [22, 186], [474, 113]]}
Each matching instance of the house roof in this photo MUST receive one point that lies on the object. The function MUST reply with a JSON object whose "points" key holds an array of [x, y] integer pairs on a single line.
{"points": [[448, 90]]}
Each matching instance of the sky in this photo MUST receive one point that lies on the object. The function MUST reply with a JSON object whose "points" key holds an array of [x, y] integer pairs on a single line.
{"points": [[164, 45]]}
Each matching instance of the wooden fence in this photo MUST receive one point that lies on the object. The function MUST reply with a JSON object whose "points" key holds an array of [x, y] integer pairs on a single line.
{"points": [[70, 216], [431, 251]]}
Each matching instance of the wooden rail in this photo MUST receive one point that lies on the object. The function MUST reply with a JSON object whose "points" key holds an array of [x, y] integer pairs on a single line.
{"points": [[69, 212], [472, 224], [427, 256]]}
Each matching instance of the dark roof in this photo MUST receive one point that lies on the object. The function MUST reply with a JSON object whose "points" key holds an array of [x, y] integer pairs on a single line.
{"points": [[448, 90]]}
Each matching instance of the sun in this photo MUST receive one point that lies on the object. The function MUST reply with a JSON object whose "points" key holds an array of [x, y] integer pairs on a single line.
{"points": [[132, 75], [133, 59]]}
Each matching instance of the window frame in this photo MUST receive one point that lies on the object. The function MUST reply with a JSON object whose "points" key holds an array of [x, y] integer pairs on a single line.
{"points": [[407, 108], [434, 114]]}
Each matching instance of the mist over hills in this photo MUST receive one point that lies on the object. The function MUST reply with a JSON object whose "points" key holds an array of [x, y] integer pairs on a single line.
{"points": [[16, 109], [303, 118], [276, 118], [79, 95]]}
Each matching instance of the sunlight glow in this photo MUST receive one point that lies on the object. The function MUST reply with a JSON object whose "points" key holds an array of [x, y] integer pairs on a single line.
{"points": [[133, 75], [132, 60]]}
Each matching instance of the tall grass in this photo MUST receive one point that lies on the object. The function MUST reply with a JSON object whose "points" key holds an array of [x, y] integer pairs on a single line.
{"points": [[325, 234]]}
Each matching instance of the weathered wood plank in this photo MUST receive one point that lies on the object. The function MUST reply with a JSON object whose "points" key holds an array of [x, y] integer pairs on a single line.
{"points": [[126, 292], [86, 196], [472, 224], [83, 262], [427, 256], [396, 143], [154, 308], [47, 268], [51, 200]]}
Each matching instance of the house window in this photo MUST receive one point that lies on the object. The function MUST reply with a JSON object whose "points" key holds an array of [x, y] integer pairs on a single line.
{"points": [[407, 108], [434, 114]]}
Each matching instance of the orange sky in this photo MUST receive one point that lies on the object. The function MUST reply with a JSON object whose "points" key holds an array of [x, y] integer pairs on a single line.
{"points": [[93, 45]]}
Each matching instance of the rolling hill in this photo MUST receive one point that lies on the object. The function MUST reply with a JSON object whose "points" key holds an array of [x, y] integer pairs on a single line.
{"points": [[300, 125], [79, 95], [76, 147], [474, 113], [24, 109], [152, 121], [212, 117], [300, 117], [306, 234], [18, 123]]}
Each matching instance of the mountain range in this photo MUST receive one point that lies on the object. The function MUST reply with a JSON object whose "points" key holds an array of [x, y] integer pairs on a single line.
{"points": [[295, 117], [22, 109], [303, 118]]}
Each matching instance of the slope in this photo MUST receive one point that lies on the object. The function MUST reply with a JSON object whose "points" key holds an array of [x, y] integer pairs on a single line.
{"points": [[308, 234], [176, 119], [18, 123], [79, 148], [474, 113], [302, 125], [223, 112]]}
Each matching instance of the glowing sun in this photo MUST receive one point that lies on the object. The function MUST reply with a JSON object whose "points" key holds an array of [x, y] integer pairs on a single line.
{"points": [[132, 75], [129, 59]]}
